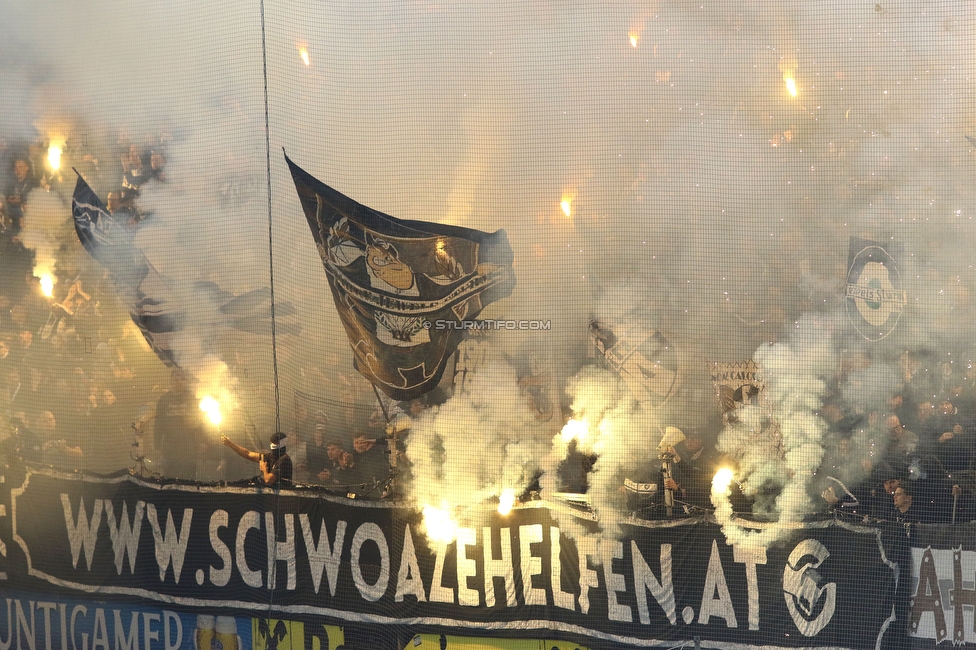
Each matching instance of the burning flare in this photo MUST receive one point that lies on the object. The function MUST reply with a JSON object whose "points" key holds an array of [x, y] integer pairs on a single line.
{"points": [[54, 155], [506, 501], [439, 523], [211, 407], [722, 481], [790, 84], [633, 39], [575, 430], [47, 284], [304, 54]]}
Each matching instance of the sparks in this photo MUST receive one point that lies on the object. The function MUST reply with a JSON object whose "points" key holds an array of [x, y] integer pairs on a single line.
{"points": [[506, 501], [211, 407]]}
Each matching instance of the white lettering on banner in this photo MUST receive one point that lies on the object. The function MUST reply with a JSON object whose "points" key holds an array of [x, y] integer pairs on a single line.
{"points": [[250, 519], [125, 538], [941, 602], [611, 551], [219, 577], [585, 549], [500, 567], [409, 581], [644, 581], [751, 557], [803, 591], [47, 608], [370, 532], [122, 641], [466, 568], [715, 584], [111, 629], [170, 547], [438, 592], [531, 565], [82, 532], [281, 551], [323, 556]]}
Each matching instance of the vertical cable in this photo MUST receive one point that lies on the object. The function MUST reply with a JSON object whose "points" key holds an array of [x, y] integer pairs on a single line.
{"points": [[267, 145]]}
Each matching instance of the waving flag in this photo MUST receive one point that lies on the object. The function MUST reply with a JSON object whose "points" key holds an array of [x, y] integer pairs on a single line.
{"points": [[149, 298], [644, 358], [158, 311], [405, 290], [875, 294]]}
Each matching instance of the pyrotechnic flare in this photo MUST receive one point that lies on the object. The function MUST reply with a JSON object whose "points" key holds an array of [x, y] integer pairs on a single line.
{"points": [[633, 39], [439, 524], [47, 284], [567, 205], [211, 407], [304, 54], [506, 501], [790, 84], [54, 155]]}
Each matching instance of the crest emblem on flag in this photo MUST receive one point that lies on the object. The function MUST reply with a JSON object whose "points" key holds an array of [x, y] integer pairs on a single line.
{"points": [[401, 287], [875, 294]]}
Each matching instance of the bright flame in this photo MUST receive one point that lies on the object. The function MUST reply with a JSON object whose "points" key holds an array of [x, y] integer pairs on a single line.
{"points": [[439, 523], [722, 481], [54, 156], [633, 39], [506, 501], [304, 54], [211, 407], [567, 207], [47, 284], [790, 84], [575, 430]]}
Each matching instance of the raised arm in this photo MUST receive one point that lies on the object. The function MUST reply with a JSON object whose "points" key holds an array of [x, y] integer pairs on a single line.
{"points": [[240, 451]]}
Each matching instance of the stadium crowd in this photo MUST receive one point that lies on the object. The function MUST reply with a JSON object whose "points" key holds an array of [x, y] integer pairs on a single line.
{"points": [[80, 388]]}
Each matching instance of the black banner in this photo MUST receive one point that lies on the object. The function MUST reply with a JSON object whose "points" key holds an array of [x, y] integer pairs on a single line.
{"points": [[405, 290], [291, 554]]}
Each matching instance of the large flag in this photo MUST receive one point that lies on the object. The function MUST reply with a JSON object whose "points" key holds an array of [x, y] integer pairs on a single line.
{"points": [[405, 290], [644, 358], [152, 303], [875, 294], [149, 298]]}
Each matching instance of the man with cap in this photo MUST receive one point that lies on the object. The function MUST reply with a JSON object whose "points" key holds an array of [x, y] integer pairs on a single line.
{"points": [[276, 466]]}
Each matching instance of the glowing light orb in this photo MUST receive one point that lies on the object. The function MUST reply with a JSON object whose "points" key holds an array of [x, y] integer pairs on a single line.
{"points": [[54, 156], [439, 524], [506, 501], [47, 284], [211, 407], [575, 430], [304, 54], [790, 85], [722, 480]]}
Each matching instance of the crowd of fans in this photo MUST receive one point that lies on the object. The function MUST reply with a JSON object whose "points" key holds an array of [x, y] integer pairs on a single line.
{"points": [[80, 388]]}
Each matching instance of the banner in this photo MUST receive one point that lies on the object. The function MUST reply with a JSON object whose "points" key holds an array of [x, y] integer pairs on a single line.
{"points": [[738, 384], [292, 555], [644, 358], [405, 290], [875, 294], [943, 596]]}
